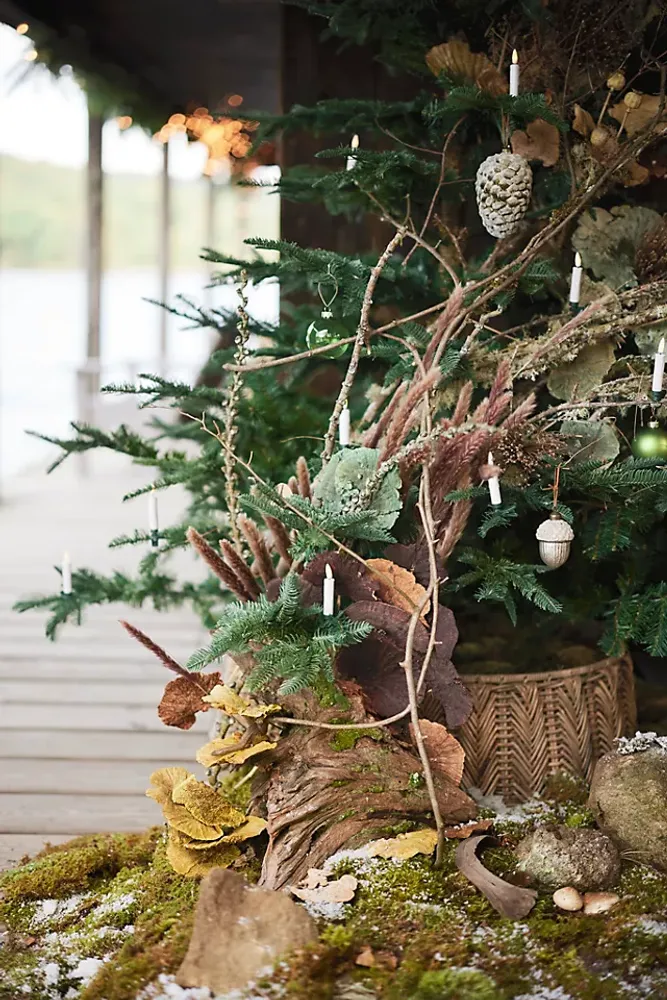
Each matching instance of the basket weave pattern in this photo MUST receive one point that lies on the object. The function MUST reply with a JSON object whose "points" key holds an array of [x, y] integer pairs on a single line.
{"points": [[525, 727]]}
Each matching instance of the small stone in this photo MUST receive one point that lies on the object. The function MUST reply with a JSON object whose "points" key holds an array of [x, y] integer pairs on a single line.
{"points": [[553, 856], [629, 799], [240, 932], [568, 898], [599, 902]]}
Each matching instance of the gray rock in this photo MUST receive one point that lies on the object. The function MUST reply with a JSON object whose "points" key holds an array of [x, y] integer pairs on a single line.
{"points": [[629, 799], [556, 856], [240, 932]]}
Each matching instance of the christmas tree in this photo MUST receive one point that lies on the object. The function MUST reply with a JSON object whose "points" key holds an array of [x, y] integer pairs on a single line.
{"points": [[500, 366]]}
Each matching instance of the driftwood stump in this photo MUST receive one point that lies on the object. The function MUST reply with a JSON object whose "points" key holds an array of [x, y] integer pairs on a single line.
{"points": [[319, 798]]}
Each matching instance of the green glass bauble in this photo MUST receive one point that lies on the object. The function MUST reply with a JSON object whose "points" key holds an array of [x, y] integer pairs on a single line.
{"points": [[327, 330], [651, 442]]}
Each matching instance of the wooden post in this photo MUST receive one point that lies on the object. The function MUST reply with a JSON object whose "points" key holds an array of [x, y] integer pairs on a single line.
{"points": [[94, 251], [164, 257]]}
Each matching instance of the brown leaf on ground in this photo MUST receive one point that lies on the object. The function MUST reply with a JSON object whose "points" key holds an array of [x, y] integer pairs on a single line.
{"points": [[540, 141], [509, 900], [443, 750], [340, 891], [583, 121], [403, 591], [365, 958], [465, 830], [183, 698]]}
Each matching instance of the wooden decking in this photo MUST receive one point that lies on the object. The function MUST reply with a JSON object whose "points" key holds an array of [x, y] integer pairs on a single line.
{"points": [[79, 732]]}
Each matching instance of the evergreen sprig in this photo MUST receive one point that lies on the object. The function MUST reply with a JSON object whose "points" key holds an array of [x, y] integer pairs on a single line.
{"points": [[288, 640]]}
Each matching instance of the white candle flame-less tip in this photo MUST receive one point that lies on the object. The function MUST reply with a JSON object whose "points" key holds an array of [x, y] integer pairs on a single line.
{"points": [[328, 591]]}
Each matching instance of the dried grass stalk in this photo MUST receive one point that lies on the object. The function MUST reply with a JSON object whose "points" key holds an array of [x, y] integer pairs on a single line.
{"points": [[241, 568], [253, 537], [217, 564]]}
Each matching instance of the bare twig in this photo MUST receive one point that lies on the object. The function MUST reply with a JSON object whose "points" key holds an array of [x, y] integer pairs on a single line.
{"points": [[360, 340]]}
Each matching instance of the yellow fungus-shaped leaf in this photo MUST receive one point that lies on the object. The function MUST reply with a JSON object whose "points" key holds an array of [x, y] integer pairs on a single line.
{"points": [[165, 780], [181, 819], [226, 700], [406, 845], [241, 756], [195, 864], [206, 805], [191, 843], [253, 826], [209, 754], [260, 711], [398, 586]]}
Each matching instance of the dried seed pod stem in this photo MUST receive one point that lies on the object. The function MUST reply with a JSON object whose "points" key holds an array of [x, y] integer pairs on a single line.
{"points": [[253, 537], [217, 564], [303, 478], [162, 655], [241, 568]]}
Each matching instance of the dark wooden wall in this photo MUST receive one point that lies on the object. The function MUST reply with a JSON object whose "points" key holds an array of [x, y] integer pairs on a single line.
{"points": [[314, 70]]}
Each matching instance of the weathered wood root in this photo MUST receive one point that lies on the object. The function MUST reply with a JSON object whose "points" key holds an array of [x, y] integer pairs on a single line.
{"points": [[320, 799]]}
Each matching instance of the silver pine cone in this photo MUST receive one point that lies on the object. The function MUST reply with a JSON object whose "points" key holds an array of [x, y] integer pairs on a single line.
{"points": [[503, 186]]}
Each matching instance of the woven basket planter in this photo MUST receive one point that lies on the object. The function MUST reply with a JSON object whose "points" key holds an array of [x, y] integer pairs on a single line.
{"points": [[525, 727]]}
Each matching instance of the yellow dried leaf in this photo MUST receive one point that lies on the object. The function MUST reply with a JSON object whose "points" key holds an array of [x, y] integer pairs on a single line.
{"points": [[206, 804], [209, 754], [583, 121], [463, 66], [183, 840], [638, 118], [195, 864], [406, 845], [241, 756], [182, 819], [253, 826], [365, 958], [540, 141], [226, 700], [260, 711], [404, 591], [165, 780]]}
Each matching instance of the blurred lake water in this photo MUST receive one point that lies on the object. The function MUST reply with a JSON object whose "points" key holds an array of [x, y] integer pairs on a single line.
{"points": [[43, 336]]}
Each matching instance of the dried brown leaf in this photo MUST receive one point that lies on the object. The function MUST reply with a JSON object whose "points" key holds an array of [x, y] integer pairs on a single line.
{"points": [[365, 958], [637, 119], [403, 591], [463, 66], [183, 698], [443, 750], [340, 891], [583, 121], [540, 141], [465, 830], [352, 578]]}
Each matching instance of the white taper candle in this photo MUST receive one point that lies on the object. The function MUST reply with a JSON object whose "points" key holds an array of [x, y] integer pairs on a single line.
{"points": [[328, 591], [575, 280], [659, 367], [344, 427], [352, 160], [494, 486], [66, 571], [514, 74], [152, 510]]}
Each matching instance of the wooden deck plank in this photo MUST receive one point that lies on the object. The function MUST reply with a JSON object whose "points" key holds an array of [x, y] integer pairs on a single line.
{"points": [[88, 718], [97, 692], [47, 814], [13, 846], [86, 670], [91, 777], [165, 746]]}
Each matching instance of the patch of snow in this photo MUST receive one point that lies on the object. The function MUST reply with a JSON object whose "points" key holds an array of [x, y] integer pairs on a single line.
{"points": [[51, 973], [49, 908], [326, 911], [86, 969], [510, 814], [652, 926], [167, 989], [639, 742], [116, 905], [544, 993]]}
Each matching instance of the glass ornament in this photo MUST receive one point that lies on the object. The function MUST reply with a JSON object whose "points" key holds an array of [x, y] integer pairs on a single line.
{"points": [[327, 330], [651, 442]]}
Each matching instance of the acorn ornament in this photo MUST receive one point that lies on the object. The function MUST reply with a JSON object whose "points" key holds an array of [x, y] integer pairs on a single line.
{"points": [[503, 186], [555, 537]]}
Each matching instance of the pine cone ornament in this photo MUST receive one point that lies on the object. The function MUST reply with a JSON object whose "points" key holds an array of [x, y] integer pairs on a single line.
{"points": [[651, 256], [503, 188]]}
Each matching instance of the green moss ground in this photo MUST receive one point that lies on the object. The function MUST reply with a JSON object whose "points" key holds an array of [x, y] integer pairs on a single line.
{"points": [[433, 936]]}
